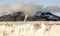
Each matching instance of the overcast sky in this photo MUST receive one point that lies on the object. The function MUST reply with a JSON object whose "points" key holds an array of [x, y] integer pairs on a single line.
{"points": [[38, 2]]}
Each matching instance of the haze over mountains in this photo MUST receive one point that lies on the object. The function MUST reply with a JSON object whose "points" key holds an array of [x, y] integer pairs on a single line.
{"points": [[52, 9], [6, 12], [27, 8]]}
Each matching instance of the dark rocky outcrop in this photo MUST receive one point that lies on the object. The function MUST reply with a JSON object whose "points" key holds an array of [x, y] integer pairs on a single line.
{"points": [[40, 16], [48, 16], [17, 16]]}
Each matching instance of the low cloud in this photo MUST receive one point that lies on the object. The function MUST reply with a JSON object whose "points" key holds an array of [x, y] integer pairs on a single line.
{"points": [[29, 9], [52, 9]]}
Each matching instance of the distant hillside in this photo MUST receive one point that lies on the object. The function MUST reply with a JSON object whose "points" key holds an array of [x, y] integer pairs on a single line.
{"points": [[18, 16], [48, 16], [40, 16]]}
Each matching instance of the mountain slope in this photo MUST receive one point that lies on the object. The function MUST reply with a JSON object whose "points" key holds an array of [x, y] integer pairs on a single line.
{"points": [[48, 16], [40, 16]]}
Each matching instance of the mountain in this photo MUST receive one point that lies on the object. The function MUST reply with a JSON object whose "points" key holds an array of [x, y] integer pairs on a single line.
{"points": [[48, 16], [19, 16], [39, 16]]}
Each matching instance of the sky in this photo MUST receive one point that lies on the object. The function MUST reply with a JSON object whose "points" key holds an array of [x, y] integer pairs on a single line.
{"points": [[37, 2]]}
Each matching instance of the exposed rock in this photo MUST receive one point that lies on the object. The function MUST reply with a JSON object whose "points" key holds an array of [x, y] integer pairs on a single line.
{"points": [[40, 16], [48, 16], [19, 16], [12, 17]]}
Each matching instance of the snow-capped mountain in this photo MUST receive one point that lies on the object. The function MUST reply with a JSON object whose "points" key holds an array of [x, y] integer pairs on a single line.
{"points": [[48, 16], [39, 16]]}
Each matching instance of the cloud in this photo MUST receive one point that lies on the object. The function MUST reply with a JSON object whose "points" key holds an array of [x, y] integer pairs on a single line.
{"points": [[29, 9], [52, 9]]}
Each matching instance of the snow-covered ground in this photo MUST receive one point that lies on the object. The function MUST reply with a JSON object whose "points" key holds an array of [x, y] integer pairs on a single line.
{"points": [[30, 28]]}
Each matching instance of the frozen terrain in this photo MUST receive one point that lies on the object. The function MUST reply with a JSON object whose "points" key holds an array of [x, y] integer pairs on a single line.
{"points": [[30, 28]]}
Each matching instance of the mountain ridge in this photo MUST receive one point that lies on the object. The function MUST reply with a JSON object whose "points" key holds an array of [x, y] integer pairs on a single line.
{"points": [[39, 16]]}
